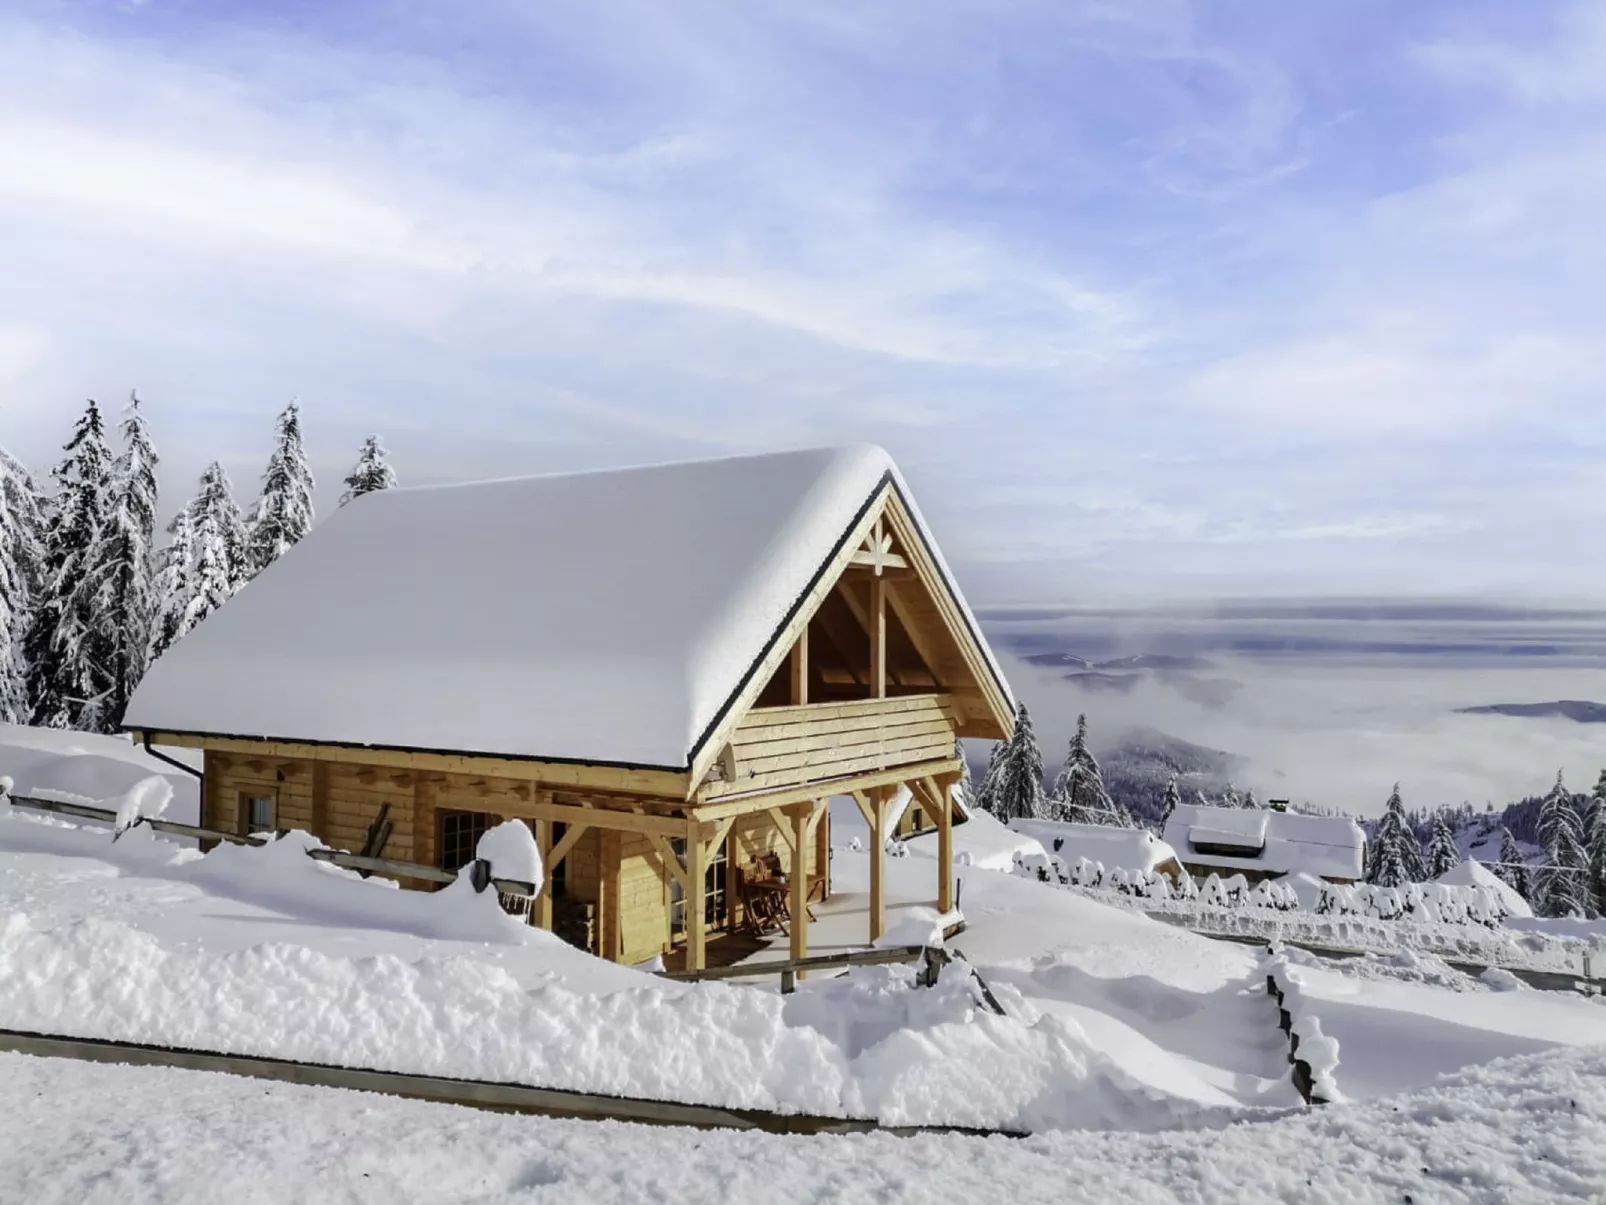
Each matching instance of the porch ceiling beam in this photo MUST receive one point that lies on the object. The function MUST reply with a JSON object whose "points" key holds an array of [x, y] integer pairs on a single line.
{"points": [[762, 800]]}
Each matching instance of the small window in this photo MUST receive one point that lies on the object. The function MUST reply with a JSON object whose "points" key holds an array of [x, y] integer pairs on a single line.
{"points": [[918, 824], [257, 813], [459, 836]]}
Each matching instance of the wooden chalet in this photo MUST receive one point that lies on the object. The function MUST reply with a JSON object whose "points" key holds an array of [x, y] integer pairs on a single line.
{"points": [[667, 671]]}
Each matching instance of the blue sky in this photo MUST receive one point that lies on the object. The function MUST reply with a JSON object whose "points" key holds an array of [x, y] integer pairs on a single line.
{"points": [[1149, 299]]}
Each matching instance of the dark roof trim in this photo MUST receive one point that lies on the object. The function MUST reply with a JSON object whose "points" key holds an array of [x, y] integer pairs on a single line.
{"points": [[519, 757]]}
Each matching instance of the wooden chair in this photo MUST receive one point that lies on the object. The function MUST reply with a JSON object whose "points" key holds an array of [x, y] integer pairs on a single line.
{"points": [[763, 897], [816, 888]]}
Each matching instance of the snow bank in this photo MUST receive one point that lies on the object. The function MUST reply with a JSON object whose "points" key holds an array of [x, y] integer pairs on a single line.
{"points": [[82, 767], [511, 850], [1474, 874], [1127, 848], [870, 1045], [147, 799], [982, 841]]}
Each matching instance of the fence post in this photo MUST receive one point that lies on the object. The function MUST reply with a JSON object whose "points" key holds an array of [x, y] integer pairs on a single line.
{"points": [[788, 981]]}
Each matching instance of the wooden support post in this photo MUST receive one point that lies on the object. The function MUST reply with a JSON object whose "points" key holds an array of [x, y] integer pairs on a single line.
{"points": [[320, 805], [822, 845], [801, 816], [878, 859], [800, 667], [878, 636], [696, 937], [542, 913], [942, 805]]}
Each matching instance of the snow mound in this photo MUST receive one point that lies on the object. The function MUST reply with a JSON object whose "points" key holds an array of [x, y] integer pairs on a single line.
{"points": [[145, 800], [1123, 848], [511, 850], [84, 767], [982, 840], [1472, 873]]}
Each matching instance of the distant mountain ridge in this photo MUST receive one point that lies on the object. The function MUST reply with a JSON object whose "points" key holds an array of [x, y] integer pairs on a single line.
{"points": [[1580, 710]]}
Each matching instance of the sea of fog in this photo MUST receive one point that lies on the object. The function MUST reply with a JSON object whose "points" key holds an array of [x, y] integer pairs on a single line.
{"points": [[1331, 701]]}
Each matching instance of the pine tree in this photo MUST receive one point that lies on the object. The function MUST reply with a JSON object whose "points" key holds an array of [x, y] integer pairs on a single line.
{"points": [[965, 790], [987, 796], [1396, 858], [372, 471], [1169, 805], [1513, 867], [22, 523], [206, 560], [1443, 856], [1020, 776], [69, 656], [284, 511], [118, 593], [1596, 848], [1249, 800], [1561, 885], [1079, 794]]}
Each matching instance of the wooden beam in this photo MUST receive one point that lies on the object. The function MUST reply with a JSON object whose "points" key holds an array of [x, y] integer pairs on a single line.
{"points": [[671, 862], [562, 848], [887, 560], [862, 612], [945, 845], [800, 668], [917, 637], [543, 901], [783, 825], [845, 784], [608, 818], [878, 859], [878, 637], [866, 807], [799, 838], [696, 936]]}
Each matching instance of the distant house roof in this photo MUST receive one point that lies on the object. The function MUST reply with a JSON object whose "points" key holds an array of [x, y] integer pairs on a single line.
{"points": [[606, 617], [1329, 847]]}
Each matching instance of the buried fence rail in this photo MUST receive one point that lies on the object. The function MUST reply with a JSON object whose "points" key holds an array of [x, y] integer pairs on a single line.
{"points": [[1302, 1075], [479, 871]]}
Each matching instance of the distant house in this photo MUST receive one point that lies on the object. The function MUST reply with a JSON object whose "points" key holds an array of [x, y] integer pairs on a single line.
{"points": [[1111, 847], [1265, 844], [666, 671]]}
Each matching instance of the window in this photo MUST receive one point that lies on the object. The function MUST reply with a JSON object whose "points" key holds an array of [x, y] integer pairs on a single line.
{"points": [[714, 903], [459, 836], [256, 814]]}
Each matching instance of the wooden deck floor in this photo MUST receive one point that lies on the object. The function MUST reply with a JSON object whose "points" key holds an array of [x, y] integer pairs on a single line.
{"points": [[722, 950]]}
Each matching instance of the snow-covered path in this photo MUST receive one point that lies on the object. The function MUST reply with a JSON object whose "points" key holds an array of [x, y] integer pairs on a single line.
{"points": [[1520, 1132]]}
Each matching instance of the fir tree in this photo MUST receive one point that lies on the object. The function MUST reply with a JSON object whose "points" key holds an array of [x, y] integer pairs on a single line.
{"points": [[118, 593], [22, 522], [1020, 773], [284, 511], [965, 791], [1249, 800], [206, 560], [1513, 868], [1396, 858], [68, 654], [372, 471], [1561, 887], [987, 796], [1079, 794], [1169, 805], [1596, 848], [1443, 856]]}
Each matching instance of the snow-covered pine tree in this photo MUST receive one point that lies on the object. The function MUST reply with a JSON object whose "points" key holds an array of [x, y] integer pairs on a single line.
{"points": [[1561, 884], [1513, 867], [1169, 804], [68, 656], [1249, 800], [1443, 856], [372, 471], [1020, 776], [1595, 848], [1396, 858], [119, 595], [206, 560], [987, 795], [965, 790], [1079, 795], [1229, 798], [284, 511], [22, 522]]}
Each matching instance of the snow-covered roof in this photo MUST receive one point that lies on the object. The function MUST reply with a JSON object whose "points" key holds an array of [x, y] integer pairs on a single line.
{"points": [[1329, 847], [606, 617], [1127, 848]]}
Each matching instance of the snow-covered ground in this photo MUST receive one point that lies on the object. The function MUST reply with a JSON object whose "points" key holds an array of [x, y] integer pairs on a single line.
{"points": [[1118, 1026], [1517, 1132], [53, 763]]}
